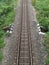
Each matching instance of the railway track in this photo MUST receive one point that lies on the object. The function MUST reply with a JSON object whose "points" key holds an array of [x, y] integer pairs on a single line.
{"points": [[25, 45], [24, 48]]}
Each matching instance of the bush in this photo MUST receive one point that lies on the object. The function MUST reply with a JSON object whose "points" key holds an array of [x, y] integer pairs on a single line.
{"points": [[42, 6], [45, 23], [1, 33]]}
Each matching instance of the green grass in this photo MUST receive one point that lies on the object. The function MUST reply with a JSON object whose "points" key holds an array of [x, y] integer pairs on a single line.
{"points": [[1, 55], [47, 61], [47, 47], [2, 44]]}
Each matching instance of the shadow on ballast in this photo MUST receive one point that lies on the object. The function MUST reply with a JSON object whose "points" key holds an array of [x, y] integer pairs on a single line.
{"points": [[40, 29]]}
